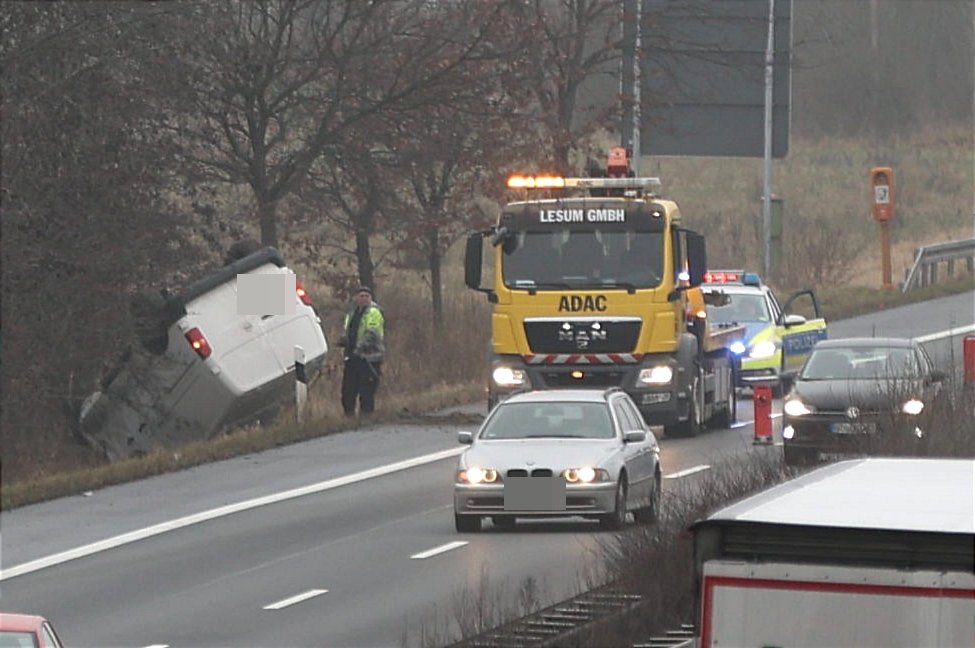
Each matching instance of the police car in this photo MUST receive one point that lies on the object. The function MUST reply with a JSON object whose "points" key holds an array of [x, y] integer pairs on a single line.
{"points": [[777, 339]]}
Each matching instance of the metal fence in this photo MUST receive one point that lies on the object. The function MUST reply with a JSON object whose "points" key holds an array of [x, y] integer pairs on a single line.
{"points": [[929, 258]]}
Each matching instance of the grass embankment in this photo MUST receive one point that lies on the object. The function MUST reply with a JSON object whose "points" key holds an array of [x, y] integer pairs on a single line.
{"points": [[829, 240], [404, 393]]}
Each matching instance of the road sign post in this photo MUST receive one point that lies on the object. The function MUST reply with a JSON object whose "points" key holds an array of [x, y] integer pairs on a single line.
{"points": [[882, 185]]}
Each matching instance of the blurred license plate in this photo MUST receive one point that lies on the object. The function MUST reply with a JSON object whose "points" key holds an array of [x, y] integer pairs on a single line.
{"points": [[852, 428], [534, 494]]}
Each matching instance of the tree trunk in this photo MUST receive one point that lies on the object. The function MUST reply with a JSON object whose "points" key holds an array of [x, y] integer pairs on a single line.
{"points": [[267, 213], [363, 255], [436, 284]]}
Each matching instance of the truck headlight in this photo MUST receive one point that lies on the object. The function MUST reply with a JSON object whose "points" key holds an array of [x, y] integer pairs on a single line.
{"points": [[508, 377], [762, 350], [660, 375]]}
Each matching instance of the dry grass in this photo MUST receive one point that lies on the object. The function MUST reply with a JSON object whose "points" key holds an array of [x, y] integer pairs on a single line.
{"points": [[832, 239]]}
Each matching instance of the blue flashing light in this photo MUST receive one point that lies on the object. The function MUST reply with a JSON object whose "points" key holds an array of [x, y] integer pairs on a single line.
{"points": [[751, 279], [737, 347]]}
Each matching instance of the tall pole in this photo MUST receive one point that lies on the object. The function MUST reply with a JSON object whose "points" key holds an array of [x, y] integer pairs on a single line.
{"points": [[767, 162], [630, 81]]}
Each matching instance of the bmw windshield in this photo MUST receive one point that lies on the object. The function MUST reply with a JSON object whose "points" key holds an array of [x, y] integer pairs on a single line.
{"points": [[549, 420]]}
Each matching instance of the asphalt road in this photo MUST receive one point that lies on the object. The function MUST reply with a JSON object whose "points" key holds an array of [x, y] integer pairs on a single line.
{"points": [[328, 542]]}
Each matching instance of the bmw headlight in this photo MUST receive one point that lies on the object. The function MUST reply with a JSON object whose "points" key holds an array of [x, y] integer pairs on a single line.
{"points": [[796, 407], [763, 349], [508, 377], [659, 375], [477, 475], [912, 407], [585, 475]]}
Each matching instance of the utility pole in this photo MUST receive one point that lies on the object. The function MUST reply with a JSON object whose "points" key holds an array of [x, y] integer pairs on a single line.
{"points": [[630, 82], [767, 162]]}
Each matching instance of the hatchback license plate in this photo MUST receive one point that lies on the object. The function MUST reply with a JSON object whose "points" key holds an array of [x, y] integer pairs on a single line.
{"points": [[852, 428]]}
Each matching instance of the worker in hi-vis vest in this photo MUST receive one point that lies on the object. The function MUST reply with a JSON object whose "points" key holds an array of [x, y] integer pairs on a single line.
{"points": [[362, 339]]}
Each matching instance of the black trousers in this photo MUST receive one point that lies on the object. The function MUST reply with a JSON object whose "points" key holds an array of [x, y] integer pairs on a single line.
{"points": [[360, 380]]}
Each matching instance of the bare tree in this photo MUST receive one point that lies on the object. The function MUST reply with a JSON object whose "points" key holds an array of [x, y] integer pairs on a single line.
{"points": [[569, 43], [85, 218]]}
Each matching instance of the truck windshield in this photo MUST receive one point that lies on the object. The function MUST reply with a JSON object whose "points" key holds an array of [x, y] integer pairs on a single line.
{"points": [[564, 259]]}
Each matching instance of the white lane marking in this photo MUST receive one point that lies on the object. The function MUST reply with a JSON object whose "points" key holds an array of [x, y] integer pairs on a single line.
{"points": [[158, 646], [438, 550], [943, 334], [196, 518], [297, 598], [739, 424], [689, 471]]}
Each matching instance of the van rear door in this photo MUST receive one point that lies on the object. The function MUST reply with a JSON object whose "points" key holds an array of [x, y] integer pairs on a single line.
{"points": [[241, 353]]}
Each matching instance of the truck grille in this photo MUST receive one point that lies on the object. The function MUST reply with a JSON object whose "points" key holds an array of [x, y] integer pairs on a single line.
{"points": [[553, 335]]}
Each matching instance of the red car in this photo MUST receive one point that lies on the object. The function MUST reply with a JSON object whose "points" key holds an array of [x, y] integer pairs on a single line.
{"points": [[27, 631]]}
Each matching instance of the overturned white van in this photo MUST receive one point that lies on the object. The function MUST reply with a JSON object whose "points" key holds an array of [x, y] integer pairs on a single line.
{"points": [[202, 367]]}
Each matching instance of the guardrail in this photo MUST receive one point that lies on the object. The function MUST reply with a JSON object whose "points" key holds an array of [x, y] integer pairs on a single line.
{"points": [[559, 624], [924, 272], [574, 622]]}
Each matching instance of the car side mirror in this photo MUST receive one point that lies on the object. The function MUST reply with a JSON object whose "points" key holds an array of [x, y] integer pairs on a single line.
{"points": [[465, 437], [937, 375], [793, 320], [634, 436]]}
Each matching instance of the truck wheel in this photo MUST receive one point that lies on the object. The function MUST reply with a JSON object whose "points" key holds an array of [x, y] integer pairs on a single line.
{"points": [[692, 426], [467, 523], [726, 416]]}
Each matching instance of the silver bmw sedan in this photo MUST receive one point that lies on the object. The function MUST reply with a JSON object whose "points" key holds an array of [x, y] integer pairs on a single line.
{"points": [[559, 453]]}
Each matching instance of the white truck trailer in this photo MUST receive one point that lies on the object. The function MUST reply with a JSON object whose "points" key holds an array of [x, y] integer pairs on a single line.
{"points": [[870, 552]]}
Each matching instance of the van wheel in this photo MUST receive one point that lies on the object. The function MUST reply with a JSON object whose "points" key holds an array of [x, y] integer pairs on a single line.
{"points": [[241, 249], [150, 320]]}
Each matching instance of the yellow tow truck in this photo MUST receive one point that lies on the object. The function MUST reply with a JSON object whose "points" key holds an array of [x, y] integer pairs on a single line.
{"points": [[591, 286]]}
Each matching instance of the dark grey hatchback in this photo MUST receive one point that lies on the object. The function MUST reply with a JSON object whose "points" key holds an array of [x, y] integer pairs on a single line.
{"points": [[857, 395]]}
